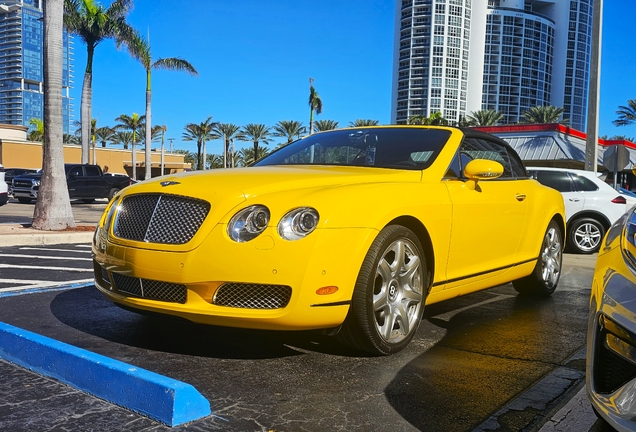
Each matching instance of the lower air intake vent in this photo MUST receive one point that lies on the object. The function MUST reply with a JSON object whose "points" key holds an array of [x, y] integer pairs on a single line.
{"points": [[252, 296], [150, 289]]}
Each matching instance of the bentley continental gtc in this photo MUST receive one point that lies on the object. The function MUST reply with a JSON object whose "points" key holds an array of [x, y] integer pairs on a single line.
{"points": [[350, 231]]}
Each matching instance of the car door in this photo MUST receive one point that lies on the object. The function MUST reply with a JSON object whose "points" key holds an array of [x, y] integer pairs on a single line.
{"points": [[574, 200], [488, 221], [94, 182], [75, 181]]}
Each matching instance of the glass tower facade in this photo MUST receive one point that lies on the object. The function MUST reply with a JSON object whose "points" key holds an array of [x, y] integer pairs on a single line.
{"points": [[21, 64], [459, 56]]}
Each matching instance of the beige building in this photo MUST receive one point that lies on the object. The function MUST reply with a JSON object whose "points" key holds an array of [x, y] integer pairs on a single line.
{"points": [[17, 152]]}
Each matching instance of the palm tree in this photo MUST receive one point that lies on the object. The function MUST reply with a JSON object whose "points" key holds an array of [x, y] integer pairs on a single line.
{"points": [[485, 117], [53, 206], [70, 139], [626, 114], [124, 138], [325, 125], [618, 138], [215, 161], [315, 104], [93, 23], [134, 124], [289, 129], [37, 134], [543, 114], [417, 120], [363, 122], [228, 132], [201, 133], [140, 49], [247, 155], [256, 133], [104, 135], [157, 132]]}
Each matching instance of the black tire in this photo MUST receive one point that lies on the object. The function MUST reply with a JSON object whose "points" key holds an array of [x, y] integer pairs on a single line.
{"points": [[585, 235], [546, 274], [24, 200], [112, 193], [88, 200], [387, 289]]}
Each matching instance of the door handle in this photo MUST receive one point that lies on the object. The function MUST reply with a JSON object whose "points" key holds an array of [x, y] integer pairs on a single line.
{"points": [[520, 197], [574, 199]]}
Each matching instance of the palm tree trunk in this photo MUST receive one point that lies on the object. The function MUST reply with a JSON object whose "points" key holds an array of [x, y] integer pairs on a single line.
{"points": [[255, 151], [226, 144], [134, 158], [311, 120], [199, 144], [87, 91], [203, 156], [53, 207], [148, 128]]}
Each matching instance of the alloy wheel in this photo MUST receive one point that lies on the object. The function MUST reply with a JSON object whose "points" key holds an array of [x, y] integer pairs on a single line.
{"points": [[397, 294]]}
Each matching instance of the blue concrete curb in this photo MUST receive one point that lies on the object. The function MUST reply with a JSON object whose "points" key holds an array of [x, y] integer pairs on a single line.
{"points": [[161, 398]]}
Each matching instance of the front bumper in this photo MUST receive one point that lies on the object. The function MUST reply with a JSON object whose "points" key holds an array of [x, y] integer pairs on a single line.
{"points": [[611, 341], [194, 278], [25, 193]]}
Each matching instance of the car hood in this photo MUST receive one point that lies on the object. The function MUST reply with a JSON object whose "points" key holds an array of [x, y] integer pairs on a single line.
{"points": [[34, 176], [227, 188]]}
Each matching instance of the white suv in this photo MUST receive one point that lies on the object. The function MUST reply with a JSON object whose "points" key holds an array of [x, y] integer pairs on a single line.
{"points": [[591, 205], [4, 188]]}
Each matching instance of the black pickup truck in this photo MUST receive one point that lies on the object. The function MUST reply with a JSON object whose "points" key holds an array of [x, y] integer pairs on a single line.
{"points": [[85, 182]]}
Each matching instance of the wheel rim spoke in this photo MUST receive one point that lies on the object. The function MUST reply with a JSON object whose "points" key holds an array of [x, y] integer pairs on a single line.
{"points": [[397, 297], [551, 258]]}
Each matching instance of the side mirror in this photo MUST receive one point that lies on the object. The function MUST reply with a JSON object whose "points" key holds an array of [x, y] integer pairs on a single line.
{"points": [[482, 169]]}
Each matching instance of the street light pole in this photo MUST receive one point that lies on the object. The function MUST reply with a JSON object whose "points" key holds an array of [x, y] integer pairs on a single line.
{"points": [[591, 143]]}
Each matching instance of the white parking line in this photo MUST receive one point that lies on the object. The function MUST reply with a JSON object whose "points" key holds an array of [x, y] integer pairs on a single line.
{"points": [[45, 257], [45, 285], [45, 268], [21, 281], [55, 250]]}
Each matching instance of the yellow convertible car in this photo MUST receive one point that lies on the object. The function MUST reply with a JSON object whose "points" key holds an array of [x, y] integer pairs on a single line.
{"points": [[351, 231]]}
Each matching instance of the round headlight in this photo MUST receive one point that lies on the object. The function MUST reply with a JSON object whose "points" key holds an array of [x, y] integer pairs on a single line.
{"points": [[248, 223], [298, 223]]}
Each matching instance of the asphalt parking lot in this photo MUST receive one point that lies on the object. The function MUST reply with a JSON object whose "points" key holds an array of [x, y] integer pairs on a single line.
{"points": [[469, 358], [473, 359]]}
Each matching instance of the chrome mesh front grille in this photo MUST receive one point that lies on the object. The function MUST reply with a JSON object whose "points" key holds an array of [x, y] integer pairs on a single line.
{"points": [[252, 296], [160, 218], [150, 289]]}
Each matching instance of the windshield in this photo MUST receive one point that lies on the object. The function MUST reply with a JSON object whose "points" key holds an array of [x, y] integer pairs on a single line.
{"points": [[402, 148]]}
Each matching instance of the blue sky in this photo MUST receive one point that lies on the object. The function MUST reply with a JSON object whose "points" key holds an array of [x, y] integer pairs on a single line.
{"points": [[255, 58]]}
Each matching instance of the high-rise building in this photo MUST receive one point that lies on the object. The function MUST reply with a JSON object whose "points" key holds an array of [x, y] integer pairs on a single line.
{"points": [[456, 57], [21, 64]]}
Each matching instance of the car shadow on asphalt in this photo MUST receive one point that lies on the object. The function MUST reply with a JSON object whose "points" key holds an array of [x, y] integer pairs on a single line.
{"points": [[89, 312], [487, 355]]}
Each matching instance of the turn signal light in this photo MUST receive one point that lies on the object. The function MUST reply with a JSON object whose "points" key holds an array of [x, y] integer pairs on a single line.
{"points": [[619, 200], [326, 290]]}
